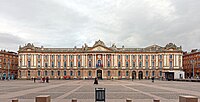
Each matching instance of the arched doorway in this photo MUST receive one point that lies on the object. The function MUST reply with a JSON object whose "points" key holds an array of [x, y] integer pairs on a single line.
{"points": [[99, 74], [133, 74], [140, 75]]}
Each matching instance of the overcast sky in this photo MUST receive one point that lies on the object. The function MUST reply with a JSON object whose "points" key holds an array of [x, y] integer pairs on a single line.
{"points": [[69, 23]]}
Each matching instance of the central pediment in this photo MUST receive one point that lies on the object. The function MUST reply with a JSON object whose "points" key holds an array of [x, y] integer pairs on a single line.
{"points": [[100, 48]]}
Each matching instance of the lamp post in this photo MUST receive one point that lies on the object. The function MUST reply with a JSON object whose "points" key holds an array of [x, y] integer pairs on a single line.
{"points": [[193, 61]]}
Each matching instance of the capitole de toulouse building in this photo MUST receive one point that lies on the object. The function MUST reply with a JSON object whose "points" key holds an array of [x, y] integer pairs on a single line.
{"points": [[98, 61]]}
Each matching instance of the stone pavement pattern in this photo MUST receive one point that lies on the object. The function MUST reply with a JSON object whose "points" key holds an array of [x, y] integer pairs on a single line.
{"points": [[83, 90]]}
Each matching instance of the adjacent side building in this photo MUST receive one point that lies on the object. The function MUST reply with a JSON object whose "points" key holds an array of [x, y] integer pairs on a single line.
{"points": [[99, 61], [8, 65], [191, 64]]}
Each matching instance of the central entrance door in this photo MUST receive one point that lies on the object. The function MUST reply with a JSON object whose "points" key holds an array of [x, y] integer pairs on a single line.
{"points": [[99, 74]]}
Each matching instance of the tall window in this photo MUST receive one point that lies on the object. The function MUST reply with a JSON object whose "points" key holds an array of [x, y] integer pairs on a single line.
{"points": [[71, 57], [153, 64], [133, 64], [58, 64], [52, 56], [29, 64], [153, 57], [108, 63], [52, 73], [160, 56], [147, 64], [79, 64], [119, 64], [38, 56], [127, 57], [58, 73], [45, 73], [133, 56], [153, 73], [126, 63], [38, 73], [46, 65], [146, 56], [65, 64], [127, 74], [160, 64], [119, 73], [170, 64], [119, 56], [170, 56], [71, 73], [108, 73], [160, 73], [79, 56], [140, 56], [71, 64], [140, 64], [38, 64], [90, 64], [52, 64], [29, 73], [90, 73], [65, 57], [79, 73], [65, 73], [147, 73], [58, 57]]}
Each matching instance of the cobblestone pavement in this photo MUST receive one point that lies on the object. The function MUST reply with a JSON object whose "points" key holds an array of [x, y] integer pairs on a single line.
{"points": [[83, 90]]}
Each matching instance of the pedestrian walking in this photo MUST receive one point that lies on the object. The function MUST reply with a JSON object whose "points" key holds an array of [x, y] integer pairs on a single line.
{"points": [[47, 79], [34, 79], [152, 79], [96, 81]]}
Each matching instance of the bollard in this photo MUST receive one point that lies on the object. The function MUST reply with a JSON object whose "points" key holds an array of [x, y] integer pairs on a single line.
{"points": [[74, 100], [128, 100], [156, 100], [43, 98], [15, 100], [183, 98]]}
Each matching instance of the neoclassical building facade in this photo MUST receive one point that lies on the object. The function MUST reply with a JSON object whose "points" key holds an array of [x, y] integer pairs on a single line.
{"points": [[98, 61]]}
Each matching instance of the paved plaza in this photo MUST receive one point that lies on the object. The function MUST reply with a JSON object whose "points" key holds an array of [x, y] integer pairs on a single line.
{"points": [[83, 90]]}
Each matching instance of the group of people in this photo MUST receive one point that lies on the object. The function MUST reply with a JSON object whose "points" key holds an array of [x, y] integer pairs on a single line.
{"points": [[43, 79]]}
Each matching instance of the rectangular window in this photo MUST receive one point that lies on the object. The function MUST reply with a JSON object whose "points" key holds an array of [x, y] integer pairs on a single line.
{"points": [[153, 57], [71, 73], [160, 56], [52, 64], [108, 63], [133, 56], [119, 56], [170, 64], [160, 64], [126, 64], [127, 73], [140, 64], [38, 56], [170, 56], [65, 64], [65, 57], [89, 73], [52, 57], [127, 57], [146, 56], [108, 56], [79, 64], [58, 64], [59, 57], [71, 64], [147, 64], [160, 73], [119, 64], [38, 73], [29, 64], [65, 73], [38, 64], [79, 73], [46, 73], [52, 73], [108, 73], [140, 56], [46, 65], [153, 64], [90, 64], [58, 73], [133, 64], [79, 56]]}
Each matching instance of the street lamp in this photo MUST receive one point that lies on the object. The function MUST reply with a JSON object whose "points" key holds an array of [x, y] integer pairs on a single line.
{"points": [[193, 61]]}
